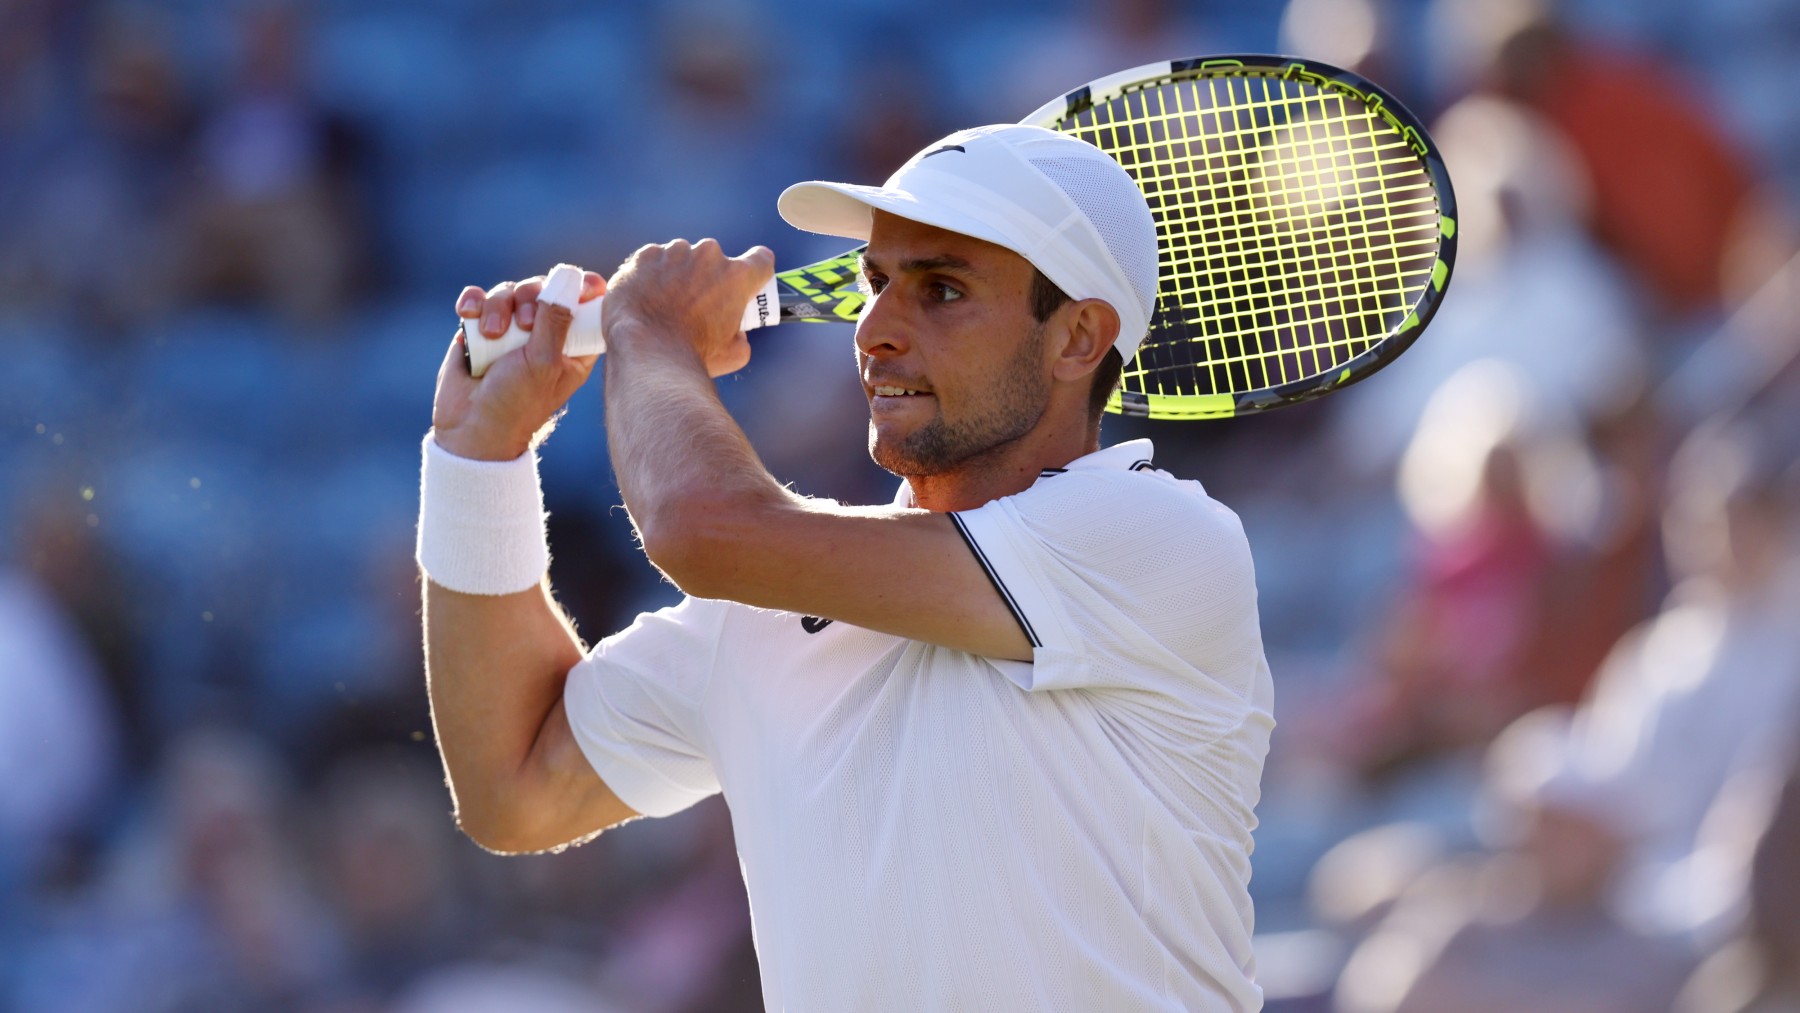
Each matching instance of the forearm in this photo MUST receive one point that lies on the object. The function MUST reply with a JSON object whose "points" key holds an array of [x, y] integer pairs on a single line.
{"points": [[678, 455], [495, 667], [497, 652]]}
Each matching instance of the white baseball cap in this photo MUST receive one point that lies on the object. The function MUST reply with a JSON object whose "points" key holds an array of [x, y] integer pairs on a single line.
{"points": [[1064, 205]]}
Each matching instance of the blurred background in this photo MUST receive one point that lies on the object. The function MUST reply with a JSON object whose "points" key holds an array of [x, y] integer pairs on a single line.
{"points": [[1531, 597]]}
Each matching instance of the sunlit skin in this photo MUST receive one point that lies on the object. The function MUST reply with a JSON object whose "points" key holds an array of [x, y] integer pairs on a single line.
{"points": [[999, 396]]}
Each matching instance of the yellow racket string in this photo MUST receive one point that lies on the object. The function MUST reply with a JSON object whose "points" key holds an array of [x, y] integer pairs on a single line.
{"points": [[1298, 227]]}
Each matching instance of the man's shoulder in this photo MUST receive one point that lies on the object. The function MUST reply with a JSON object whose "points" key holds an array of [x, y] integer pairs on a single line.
{"points": [[1141, 495], [1140, 526]]}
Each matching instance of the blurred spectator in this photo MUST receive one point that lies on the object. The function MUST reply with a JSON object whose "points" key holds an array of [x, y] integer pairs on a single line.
{"points": [[67, 730], [1490, 479], [1669, 186], [58, 736], [687, 948], [1352, 34], [1357, 882], [1051, 55], [201, 906], [1534, 294], [28, 72], [275, 217], [1529, 929], [1753, 357], [387, 860], [1531, 289], [707, 166], [1708, 688], [501, 988], [1759, 972], [1624, 806], [58, 545], [91, 212]]}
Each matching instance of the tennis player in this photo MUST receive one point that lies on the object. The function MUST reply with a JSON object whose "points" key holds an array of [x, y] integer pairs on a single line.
{"points": [[994, 746]]}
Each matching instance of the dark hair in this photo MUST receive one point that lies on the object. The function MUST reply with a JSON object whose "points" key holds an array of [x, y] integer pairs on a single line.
{"points": [[1047, 298]]}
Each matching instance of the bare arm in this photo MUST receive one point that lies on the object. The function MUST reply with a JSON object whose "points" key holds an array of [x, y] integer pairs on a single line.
{"points": [[714, 520], [495, 667], [496, 664]]}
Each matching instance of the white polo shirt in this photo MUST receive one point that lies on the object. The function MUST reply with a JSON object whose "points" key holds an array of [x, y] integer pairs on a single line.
{"points": [[924, 829]]}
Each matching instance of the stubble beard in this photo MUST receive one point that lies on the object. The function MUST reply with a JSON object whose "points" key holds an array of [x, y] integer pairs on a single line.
{"points": [[1018, 398]]}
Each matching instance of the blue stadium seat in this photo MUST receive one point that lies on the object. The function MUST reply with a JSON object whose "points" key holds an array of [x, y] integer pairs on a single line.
{"points": [[186, 514], [395, 349], [506, 213], [408, 74], [211, 374], [567, 80], [320, 655], [54, 374]]}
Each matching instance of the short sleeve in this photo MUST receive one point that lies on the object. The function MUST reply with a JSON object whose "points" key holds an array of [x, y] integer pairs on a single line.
{"points": [[1125, 579], [636, 704]]}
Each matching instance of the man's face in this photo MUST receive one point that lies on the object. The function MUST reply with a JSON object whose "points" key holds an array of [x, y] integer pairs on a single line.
{"points": [[951, 360]]}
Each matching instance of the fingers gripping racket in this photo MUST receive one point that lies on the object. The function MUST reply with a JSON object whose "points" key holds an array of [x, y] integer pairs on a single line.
{"points": [[1306, 224], [826, 290]]}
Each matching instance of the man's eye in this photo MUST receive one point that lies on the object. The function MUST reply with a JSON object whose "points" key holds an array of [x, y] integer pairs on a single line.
{"points": [[873, 283], [943, 292]]}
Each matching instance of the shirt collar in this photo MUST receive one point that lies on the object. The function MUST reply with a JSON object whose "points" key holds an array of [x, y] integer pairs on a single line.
{"points": [[1128, 456]]}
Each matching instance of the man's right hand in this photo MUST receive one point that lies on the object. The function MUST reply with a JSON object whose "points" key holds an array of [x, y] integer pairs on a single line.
{"points": [[507, 411]]}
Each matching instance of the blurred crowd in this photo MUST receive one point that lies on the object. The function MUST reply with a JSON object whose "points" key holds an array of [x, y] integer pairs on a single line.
{"points": [[1531, 596]]}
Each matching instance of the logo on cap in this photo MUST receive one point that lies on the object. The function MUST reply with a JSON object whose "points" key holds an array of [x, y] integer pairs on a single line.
{"points": [[939, 151]]}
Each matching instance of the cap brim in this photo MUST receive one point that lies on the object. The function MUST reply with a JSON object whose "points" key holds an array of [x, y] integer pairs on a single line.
{"points": [[830, 209], [847, 210]]}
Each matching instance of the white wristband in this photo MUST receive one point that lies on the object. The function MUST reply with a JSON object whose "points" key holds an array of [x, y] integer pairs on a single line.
{"points": [[481, 523]]}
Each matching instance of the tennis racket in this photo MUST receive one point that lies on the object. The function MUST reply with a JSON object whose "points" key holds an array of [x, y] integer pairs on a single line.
{"points": [[1306, 224]]}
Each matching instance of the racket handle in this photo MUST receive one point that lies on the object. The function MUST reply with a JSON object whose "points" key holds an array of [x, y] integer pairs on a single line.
{"points": [[584, 331], [584, 338]]}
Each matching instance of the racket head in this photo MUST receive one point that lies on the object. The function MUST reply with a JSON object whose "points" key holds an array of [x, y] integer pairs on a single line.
{"points": [[1306, 224]]}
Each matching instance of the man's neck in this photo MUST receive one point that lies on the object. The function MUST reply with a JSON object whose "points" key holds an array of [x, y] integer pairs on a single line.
{"points": [[1007, 469]]}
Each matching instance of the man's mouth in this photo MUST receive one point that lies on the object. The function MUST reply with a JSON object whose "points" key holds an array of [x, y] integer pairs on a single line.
{"points": [[887, 390]]}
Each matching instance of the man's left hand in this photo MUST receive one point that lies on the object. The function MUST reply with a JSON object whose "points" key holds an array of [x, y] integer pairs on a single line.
{"points": [[678, 293]]}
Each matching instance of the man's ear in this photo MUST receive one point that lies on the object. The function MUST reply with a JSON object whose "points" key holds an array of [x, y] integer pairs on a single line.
{"points": [[1090, 327]]}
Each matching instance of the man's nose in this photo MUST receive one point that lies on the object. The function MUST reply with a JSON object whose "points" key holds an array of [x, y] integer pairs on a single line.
{"points": [[880, 330]]}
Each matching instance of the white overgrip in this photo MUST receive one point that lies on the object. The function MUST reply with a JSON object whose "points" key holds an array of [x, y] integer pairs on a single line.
{"points": [[585, 338]]}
